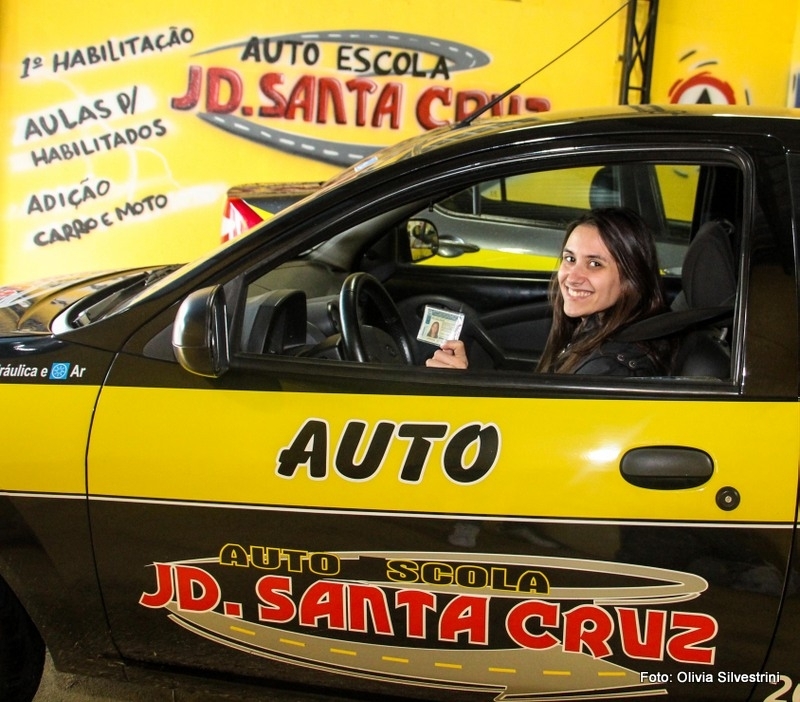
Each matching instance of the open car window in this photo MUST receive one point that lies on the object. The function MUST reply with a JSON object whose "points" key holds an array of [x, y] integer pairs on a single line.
{"points": [[488, 250]]}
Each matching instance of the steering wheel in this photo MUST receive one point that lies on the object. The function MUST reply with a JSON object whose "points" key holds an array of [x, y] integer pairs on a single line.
{"points": [[384, 339]]}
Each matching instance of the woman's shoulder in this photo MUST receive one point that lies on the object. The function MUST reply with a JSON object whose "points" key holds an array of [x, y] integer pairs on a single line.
{"points": [[619, 358]]}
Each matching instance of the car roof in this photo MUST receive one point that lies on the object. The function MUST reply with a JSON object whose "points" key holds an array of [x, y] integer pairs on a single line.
{"points": [[783, 123], [624, 117]]}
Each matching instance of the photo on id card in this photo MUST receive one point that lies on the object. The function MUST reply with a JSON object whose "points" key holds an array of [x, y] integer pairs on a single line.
{"points": [[440, 325]]}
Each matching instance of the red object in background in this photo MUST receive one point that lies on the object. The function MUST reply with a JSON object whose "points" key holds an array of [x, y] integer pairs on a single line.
{"points": [[238, 218], [251, 203]]}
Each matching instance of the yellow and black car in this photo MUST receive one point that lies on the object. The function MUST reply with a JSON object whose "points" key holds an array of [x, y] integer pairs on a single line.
{"points": [[241, 468]]}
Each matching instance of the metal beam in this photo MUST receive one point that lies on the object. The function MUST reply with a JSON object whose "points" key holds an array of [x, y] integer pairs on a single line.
{"points": [[637, 59]]}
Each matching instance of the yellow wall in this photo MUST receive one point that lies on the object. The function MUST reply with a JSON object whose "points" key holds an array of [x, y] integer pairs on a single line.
{"points": [[101, 132], [726, 48]]}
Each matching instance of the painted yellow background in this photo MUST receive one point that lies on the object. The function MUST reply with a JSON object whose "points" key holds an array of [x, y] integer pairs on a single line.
{"points": [[191, 165]]}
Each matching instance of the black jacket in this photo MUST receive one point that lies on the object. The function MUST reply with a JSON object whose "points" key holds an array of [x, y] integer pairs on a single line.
{"points": [[619, 358]]}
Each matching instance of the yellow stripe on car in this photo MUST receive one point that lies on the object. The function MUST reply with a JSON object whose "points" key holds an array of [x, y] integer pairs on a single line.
{"points": [[555, 458]]}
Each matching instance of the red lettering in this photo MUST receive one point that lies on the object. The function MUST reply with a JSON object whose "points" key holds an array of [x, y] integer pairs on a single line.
{"points": [[164, 588], [302, 98], [274, 591], [267, 85], [537, 104], [330, 91], [636, 644], [197, 590], [368, 601], [588, 626], [389, 103], [214, 80], [465, 614], [515, 104], [364, 608], [416, 602], [424, 106], [467, 101], [322, 99], [497, 108], [323, 600], [361, 87], [192, 97], [700, 628], [517, 624]]}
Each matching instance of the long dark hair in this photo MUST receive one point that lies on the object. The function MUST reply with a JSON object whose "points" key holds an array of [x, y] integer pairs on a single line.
{"points": [[632, 246]]}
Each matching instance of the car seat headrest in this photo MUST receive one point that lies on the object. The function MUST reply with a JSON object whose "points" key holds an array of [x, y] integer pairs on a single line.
{"points": [[604, 189], [709, 272]]}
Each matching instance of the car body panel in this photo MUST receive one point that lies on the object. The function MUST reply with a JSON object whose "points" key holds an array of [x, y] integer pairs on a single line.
{"points": [[33, 307], [314, 507], [333, 613], [588, 462], [33, 465]]}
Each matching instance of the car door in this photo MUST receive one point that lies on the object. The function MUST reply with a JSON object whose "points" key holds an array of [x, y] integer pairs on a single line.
{"points": [[417, 532]]}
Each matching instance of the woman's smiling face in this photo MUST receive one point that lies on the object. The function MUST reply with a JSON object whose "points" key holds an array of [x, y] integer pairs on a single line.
{"points": [[588, 275]]}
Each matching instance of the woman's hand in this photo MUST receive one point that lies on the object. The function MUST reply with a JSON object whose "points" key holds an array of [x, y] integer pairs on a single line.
{"points": [[451, 354]]}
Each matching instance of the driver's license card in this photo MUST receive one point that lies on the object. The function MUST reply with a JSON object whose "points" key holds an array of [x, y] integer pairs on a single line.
{"points": [[440, 325]]}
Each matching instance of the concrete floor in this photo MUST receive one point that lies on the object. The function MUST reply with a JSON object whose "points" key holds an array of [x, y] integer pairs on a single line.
{"points": [[63, 687]]}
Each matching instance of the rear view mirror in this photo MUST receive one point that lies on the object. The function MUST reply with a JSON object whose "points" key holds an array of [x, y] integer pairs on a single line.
{"points": [[200, 333]]}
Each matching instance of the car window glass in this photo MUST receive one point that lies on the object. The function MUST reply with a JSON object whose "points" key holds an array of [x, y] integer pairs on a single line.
{"points": [[678, 187], [517, 222]]}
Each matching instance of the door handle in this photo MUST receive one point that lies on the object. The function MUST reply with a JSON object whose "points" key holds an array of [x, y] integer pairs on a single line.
{"points": [[666, 467]]}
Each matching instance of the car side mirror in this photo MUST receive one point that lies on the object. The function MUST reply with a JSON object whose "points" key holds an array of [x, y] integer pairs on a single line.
{"points": [[200, 333], [422, 238]]}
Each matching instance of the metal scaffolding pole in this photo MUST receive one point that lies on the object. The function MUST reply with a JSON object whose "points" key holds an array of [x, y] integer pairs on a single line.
{"points": [[637, 59]]}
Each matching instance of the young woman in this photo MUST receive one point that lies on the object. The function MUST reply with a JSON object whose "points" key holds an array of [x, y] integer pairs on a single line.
{"points": [[608, 278]]}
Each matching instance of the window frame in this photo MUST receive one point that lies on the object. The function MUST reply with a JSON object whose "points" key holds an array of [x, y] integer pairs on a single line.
{"points": [[343, 374]]}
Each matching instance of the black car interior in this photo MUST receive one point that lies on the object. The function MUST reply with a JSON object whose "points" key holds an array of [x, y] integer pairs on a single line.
{"points": [[360, 297]]}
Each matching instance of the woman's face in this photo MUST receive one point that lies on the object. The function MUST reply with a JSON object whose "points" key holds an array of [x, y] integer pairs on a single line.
{"points": [[588, 275]]}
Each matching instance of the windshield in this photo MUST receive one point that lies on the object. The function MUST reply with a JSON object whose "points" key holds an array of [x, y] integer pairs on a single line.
{"points": [[384, 157], [380, 158]]}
